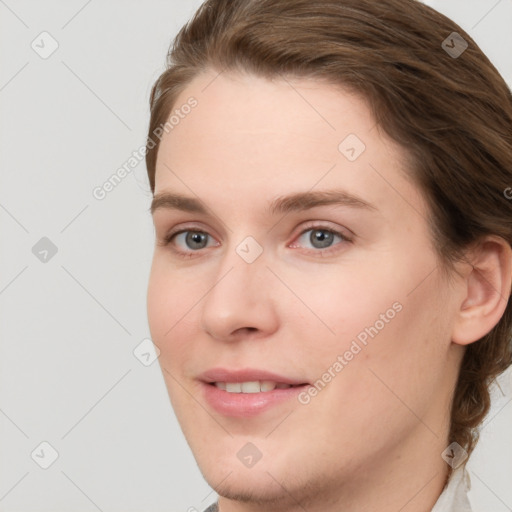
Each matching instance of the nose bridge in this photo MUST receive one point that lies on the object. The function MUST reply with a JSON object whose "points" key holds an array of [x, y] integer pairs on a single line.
{"points": [[242, 266], [239, 296]]}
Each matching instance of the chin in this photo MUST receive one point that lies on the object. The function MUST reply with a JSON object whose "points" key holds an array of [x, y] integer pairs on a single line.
{"points": [[221, 465], [248, 486]]}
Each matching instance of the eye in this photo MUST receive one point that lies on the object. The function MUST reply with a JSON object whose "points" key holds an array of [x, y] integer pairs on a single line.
{"points": [[187, 241], [320, 238]]}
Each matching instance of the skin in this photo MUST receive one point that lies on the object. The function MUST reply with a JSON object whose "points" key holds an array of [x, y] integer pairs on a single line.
{"points": [[372, 438]]}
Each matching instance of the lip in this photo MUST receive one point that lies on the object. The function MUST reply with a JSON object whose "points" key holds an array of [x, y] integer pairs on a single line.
{"points": [[245, 375], [243, 405]]}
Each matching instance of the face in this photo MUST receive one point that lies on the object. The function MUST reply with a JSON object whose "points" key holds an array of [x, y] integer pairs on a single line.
{"points": [[295, 296]]}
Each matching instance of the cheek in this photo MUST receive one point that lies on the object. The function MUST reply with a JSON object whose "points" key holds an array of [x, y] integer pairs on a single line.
{"points": [[377, 322], [393, 347], [349, 303], [159, 302], [170, 305]]}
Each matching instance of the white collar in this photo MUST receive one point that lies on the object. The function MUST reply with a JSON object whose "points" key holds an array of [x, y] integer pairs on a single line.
{"points": [[454, 497]]}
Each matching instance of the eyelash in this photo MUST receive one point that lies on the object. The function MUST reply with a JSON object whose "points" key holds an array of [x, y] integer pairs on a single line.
{"points": [[167, 240]]}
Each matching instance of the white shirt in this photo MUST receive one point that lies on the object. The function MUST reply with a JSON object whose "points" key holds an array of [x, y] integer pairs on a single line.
{"points": [[454, 497]]}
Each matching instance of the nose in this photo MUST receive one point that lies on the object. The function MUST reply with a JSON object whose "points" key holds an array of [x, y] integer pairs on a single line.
{"points": [[241, 302]]}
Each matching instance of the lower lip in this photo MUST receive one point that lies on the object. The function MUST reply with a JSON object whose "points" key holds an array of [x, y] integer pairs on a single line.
{"points": [[243, 405]]}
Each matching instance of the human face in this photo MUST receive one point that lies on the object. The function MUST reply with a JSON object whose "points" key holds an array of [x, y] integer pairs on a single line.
{"points": [[346, 293]]}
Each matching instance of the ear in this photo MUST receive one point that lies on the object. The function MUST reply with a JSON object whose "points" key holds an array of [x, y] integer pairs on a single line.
{"points": [[487, 290]]}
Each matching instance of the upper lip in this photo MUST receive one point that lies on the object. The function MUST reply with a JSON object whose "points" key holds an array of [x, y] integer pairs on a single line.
{"points": [[246, 375]]}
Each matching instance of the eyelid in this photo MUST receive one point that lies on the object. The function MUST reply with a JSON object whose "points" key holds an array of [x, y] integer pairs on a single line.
{"points": [[188, 226]]}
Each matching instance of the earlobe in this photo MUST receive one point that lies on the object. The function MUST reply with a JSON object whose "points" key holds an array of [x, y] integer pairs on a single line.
{"points": [[488, 287]]}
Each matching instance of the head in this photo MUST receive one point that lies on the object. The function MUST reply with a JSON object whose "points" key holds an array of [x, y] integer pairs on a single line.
{"points": [[343, 182]]}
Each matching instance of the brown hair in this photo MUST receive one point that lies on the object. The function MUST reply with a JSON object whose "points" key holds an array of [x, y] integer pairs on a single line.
{"points": [[452, 113]]}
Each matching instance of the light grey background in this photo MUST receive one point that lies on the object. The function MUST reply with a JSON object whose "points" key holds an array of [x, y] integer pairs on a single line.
{"points": [[68, 326]]}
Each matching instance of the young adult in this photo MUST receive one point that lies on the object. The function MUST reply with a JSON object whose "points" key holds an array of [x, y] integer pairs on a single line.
{"points": [[331, 279]]}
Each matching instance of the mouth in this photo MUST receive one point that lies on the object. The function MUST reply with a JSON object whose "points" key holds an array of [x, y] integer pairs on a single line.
{"points": [[255, 386], [246, 393]]}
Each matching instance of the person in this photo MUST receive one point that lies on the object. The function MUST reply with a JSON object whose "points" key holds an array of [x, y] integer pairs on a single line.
{"points": [[330, 286]]}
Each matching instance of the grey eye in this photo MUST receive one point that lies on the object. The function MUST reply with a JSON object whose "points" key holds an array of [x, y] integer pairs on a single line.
{"points": [[196, 239], [320, 238]]}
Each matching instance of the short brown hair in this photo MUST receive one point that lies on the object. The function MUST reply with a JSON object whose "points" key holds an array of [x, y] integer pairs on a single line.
{"points": [[452, 114]]}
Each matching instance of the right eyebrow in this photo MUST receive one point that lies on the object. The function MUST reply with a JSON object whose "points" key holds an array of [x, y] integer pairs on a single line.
{"points": [[172, 201]]}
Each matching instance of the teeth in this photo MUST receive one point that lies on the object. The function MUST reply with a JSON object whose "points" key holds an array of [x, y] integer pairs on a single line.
{"points": [[233, 387], [251, 387], [267, 385], [255, 386]]}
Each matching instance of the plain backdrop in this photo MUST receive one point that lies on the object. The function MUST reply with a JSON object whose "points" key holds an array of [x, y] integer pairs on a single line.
{"points": [[74, 268]]}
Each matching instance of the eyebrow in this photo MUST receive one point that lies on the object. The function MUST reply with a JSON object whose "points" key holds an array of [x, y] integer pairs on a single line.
{"points": [[281, 205]]}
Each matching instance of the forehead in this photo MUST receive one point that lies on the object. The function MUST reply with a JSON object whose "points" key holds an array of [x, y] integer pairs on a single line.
{"points": [[251, 136], [245, 116]]}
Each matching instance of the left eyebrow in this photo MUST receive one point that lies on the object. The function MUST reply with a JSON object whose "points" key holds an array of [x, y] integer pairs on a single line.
{"points": [[307, 200], [300, 201]]}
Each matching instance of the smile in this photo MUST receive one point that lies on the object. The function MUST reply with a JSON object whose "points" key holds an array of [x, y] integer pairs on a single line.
{"points": [[256, 386]]}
